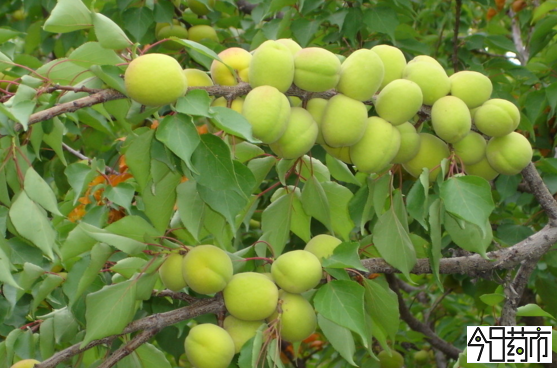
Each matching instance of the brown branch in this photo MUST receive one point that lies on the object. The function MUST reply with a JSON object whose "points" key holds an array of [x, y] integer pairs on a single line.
{"points": [[175, 295], [83, 157], [522, 53], [416, 325], [540, 191], [458, 9], [514, 291]]}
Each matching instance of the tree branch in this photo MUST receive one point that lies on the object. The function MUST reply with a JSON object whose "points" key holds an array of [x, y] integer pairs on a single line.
{"points": [[514, 291], [130, 347], [458, 9], [540, 191], [522, 52]]}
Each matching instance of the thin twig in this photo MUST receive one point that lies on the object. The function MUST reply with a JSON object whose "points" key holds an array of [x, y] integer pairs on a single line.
{"points": [[81, 156], [514, 290], [541, 192], [129, 347], [458, 9], [175, 295]]}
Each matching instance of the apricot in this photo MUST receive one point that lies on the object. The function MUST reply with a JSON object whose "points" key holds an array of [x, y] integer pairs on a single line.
{"points": [[426, 59], [240, 331], [341, 153], [378, 146], [409, 143], [25, 363], [471, 148], [316, 107], [207, 269], [292, 45], [155, 80], [482, 169], [344, 121], [322, 245], [199, 7], [267, 110], [209, 346], [272, 64], [238, 59], [316, 69], [450, 119], [202, 32], [471, 87], [394, 62], [297, 320], [250, 296], [361, 75], [170, 272], [299, 136], [497, 117], [509, 154], [237, 104], [297, 271], [432, 151], [197, 78], [395, 360], [399, 101], [172, 31], [433, 81]]}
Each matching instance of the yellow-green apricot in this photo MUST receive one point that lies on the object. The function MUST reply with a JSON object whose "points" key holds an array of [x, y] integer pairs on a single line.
{"points": [[155, 80], [421, 357], [378, 146], [160, 26], [450, 119], [361, 75], [207, 269], [297, 320], [237, 104], [267, 110], [396, 360], [272, 64], [170, 31], [471, 148], [238, 59], [433, 81], [399, 101], [299, 136], [341, 153], [292, 45], [197, 78], [297, 271], [322, 245], [209, 346], [202, 32], [170, 272], [409, 143], [240, 331], [426, 59], [316, 69], [471, 87], [432, 151], [200, 8], [316, 107], [509, 154], [295, 101], [497, 117], [25, 363], [394, 62], [482, 169], [250, 296], [344, 121]]}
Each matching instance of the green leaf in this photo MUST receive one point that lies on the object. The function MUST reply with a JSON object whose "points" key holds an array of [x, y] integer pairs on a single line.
{"points": [[197, 47], [109, 34], [245, 151], [127, 245], [7, 34], [159, 198], [300, 221], [315, 202], [342, 302], [213, 163], [32, 223], [260, 167], [54, 139], [127, 267], [469, 236], [46, 339], [304, 30], [109, 310], [196, 103], [436, 213], [340, 171], [250, 353], [146, 356], [79, 176], [122, 195], [340, 338], [338, 197], [178, 133], [134, 227], [544, 8], [6, 276], [312, 167], [99, 255], [532, 310], [21, 111], [92, 53], [492, 299], [138, 158], [39, 191], [275, 224], [382, 306], [110, 74], [381, 192], [50, 283], [393, 242], [190, 207], [232, 122], [381, 19], [137, 21], [345, 255], [469, 198], [68, 16]]}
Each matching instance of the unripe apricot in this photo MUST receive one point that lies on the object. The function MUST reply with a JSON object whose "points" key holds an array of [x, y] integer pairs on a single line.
{"points": [[394, 62], [316, 107], [316, 69], [378, 146], [361, 75], [292, 45], [25, 363], [433, 81], [200, 8], [409, 143], [202, 32], [399, 101], [170, 272], [209, 346], [238, 59], [299, 136], [426, 59], [267, 110], [344, 121], [155, 80], [207, 269], [509, 154], [237, 104], [482, 169], [297, 271], [471, 148], [450, 119], [497, 117], [240, 331], [396, 360], [322, 246], [432, 151], [297, 320], [341, 153], [250, 296], [272, 64], [471, 87], [172, 31], [197, 78]]}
